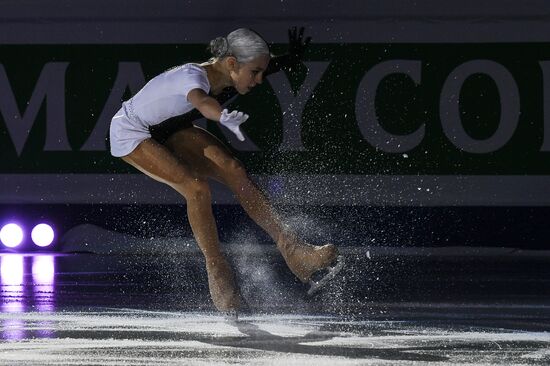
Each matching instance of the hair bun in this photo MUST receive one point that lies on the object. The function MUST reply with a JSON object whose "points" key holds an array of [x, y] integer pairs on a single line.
{"points": [[219, 46]]}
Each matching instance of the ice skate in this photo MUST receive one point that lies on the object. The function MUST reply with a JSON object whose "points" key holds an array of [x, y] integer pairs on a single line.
{"points": [[305, 260], [221, 283], [326, 275]]}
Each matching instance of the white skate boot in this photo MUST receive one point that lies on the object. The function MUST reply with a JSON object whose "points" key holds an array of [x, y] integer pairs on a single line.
{"points": [[305, 260], [221, 284]]}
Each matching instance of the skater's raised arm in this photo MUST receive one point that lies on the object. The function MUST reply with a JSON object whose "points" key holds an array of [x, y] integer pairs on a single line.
{"points": [[205, 104], [211, 109], [297, 46]]}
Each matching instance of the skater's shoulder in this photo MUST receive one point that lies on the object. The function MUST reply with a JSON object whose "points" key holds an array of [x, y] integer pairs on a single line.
{"points": [[191, 68]]}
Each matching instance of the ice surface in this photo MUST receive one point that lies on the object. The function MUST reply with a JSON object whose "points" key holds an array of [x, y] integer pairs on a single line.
{"points": [[139, 337]]}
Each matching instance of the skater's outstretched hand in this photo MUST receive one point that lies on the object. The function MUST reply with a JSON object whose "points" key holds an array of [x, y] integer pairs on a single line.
{"points": [[296, 43], [233, 120], [292, 60]]}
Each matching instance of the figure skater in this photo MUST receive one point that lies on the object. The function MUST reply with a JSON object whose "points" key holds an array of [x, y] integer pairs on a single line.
{"points": [[153, 132]]}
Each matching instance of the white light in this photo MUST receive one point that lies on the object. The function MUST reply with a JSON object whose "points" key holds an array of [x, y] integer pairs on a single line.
{"points": [[11, 235], [43, 269], [42, 235], [11, 270]]}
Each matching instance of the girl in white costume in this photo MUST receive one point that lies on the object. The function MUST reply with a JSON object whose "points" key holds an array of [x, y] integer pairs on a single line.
{"points": [[186, 156]]}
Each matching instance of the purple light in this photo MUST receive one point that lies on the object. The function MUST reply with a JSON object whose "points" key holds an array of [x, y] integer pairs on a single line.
{"points": [[42, 235], [11, 235], [43, 276]]}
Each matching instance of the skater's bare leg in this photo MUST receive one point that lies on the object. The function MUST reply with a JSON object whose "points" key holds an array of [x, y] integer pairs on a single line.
{"points": [[159, 163], [218, 163]]}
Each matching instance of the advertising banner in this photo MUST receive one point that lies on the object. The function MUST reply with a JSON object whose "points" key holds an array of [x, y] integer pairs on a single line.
{"points": [[425, 107]]}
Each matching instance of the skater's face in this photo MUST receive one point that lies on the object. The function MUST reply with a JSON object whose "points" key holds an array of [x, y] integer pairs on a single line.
{"points": [[246, 76]]}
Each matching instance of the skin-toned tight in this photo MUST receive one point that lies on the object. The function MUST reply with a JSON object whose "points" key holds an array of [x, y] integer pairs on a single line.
{"points": [[184, 162]]}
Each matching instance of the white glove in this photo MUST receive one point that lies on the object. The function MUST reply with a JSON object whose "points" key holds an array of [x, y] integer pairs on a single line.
{"points": [[232, 121]]}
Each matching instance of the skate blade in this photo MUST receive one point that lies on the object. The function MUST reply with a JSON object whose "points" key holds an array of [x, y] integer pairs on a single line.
{"points": [[332, 272]]}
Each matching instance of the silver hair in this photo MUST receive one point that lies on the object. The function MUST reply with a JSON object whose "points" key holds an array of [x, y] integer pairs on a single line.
{"points": [[244, 44]]}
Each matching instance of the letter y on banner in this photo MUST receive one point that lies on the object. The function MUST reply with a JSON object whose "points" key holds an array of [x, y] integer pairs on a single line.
{"points": [[293, 105]]}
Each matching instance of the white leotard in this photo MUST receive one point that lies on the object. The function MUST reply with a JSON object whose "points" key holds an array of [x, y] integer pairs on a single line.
{"points": [[163, 97]]}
